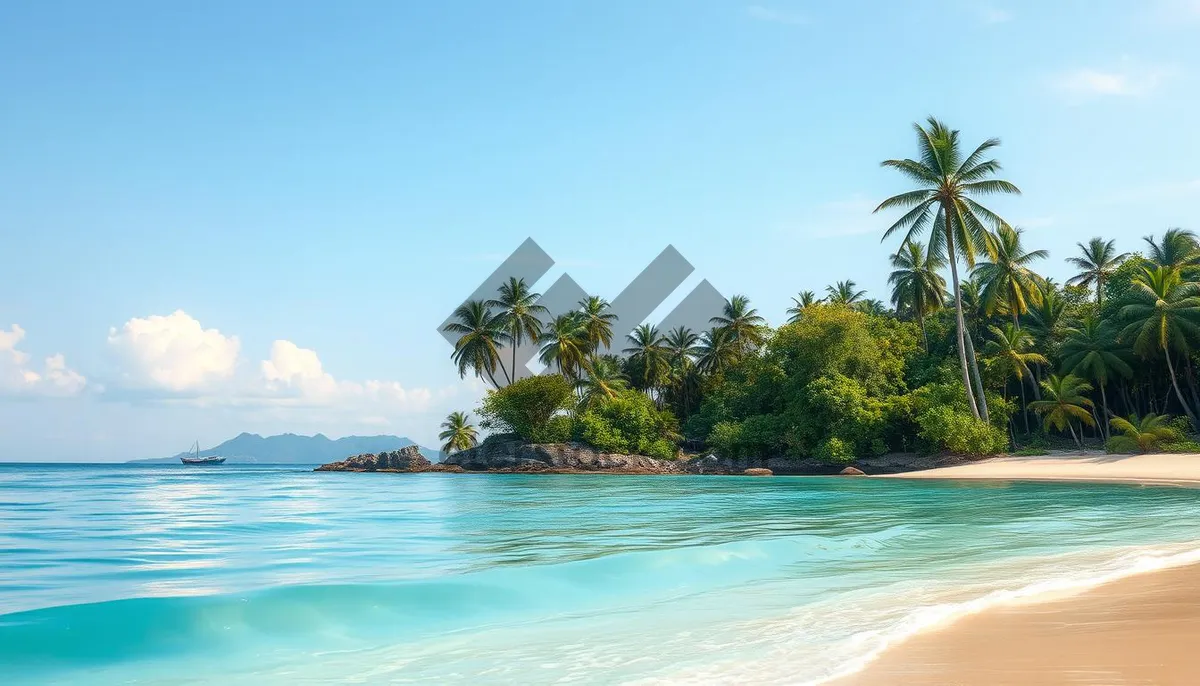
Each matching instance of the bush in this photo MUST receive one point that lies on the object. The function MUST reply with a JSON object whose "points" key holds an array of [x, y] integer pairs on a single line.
{"points": [[1180, 446], [628, 423], [530, 408], [959, 432], [834, 450]]}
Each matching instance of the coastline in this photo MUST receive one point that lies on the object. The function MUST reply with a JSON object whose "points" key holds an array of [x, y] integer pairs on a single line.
{"points": [[1140, 628], [1153, 468]]}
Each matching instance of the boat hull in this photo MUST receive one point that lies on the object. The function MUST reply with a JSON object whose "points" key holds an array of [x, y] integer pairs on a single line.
{"points": [[202, 460]]}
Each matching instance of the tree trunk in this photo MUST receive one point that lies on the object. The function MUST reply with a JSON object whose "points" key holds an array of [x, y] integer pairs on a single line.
{"points": [[1024, 406], [1175, 383], [983, 408], [960, 324], [924, 336], [1073, 436], [1104, 410]]}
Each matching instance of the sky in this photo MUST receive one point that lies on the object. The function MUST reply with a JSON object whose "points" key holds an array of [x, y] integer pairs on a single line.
{"points": [[224, 216]]}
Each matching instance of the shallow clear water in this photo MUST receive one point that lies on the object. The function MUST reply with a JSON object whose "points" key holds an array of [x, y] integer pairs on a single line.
{"points": [[261, 575]]}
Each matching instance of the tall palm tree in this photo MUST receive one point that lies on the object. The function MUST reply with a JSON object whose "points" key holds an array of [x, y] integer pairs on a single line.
{"points": [[1179, 249], [800, 303], [844, 293], [646, 350], [917, 287], [457, 433], [1163, 312], [518, 313], [1097, 261], [1065, 400], [1010, 348], [598, 320], [1091, 351], [481, 335], [1047, 317], [943, 202], [682, 345], [1142, 434], [604, 379], [565, 344], [717, 351], [1009, 285], [746, 328]]}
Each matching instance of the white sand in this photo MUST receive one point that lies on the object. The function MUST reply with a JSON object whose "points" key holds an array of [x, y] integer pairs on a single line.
{"points": [[1152, 468]]}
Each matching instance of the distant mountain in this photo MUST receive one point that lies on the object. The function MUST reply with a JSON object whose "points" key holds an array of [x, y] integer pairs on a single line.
{"points": [[292, 449]]}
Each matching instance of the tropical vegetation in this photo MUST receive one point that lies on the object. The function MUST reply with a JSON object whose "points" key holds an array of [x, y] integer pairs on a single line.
{"points": [[976, 352]]}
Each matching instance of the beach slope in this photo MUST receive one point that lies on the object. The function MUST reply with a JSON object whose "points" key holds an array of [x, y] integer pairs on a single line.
{"points": [[1152, 468]]}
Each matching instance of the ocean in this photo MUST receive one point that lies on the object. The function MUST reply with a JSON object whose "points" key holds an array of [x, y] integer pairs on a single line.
{"points": [[166, 574]]}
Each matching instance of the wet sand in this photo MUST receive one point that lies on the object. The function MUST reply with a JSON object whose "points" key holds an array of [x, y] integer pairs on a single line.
{"points": [[1142, 630]]}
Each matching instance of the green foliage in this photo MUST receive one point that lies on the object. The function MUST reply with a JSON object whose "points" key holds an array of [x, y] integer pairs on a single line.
{"points": [[526, 407], [628, 423], [1141, 434], [1180, 446], [1030, 452], [960, 433], [834, 450]]}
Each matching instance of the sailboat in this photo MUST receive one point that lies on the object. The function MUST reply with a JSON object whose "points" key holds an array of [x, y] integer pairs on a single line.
{"points": [[194, 457]]}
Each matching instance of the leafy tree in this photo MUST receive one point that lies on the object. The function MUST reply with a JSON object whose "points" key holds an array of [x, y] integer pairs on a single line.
{"points": [[518, 315], [1097, 261], [1065, 401], [526, 407], [1009, 285], [745, 326], [457, 433], [1141, 434], [629, 423], [480, 336], [943, 202], [918, 290], [1163, 313]]}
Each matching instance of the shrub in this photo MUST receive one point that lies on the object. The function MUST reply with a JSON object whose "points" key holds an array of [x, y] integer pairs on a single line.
{"points": [[959, 432], [628, 423], [834, 450], [527, 407], [1180, 446]]}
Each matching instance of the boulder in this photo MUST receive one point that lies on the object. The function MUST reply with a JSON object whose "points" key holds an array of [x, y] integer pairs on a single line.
{"points": [[758, 471], [852, 471], [508, 454], [406, 459]]}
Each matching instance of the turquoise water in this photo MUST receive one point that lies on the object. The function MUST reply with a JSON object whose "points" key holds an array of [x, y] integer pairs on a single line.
{"points": [[264, 575]]}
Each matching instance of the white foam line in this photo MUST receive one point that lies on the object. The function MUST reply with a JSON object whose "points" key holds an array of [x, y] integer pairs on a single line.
{"points": [[936, 616]]}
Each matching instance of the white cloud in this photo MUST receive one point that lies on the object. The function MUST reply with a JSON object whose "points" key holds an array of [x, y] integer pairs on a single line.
{"points": [[173, 353], [17, 377], [174, 359], [1128, 79], [770, 14]]}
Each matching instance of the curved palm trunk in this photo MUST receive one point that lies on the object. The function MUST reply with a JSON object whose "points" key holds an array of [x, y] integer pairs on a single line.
{"points": [[1073, 436], [1024, 406], [960, 324], [1104, 412], [1178, 394], [924, 336], [983, 408]]}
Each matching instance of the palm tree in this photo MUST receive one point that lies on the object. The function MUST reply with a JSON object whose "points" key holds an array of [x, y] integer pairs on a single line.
{"points": [[458, 433], [1047, 316], [480, 337], [1065, 400], [565, 344], [943, 201], [517, 313], [1098, 261], [871, 306], [844, 293], [745, 326], [917, 287], [800, 303], [1010, 348], [1178, 250], [1142, 434], [598, 321], [1091, 351], [604, 379], [717, 351], [681, 344], [1163, 312], [646, 350], [1008, 283]]}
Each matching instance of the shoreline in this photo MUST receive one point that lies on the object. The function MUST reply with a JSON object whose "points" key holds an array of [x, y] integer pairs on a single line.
{"points": [[1137, 628], [1166, 469]]}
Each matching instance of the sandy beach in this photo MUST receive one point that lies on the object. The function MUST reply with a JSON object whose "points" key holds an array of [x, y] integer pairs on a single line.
{"points": [[1139, 630], [1152, 468]]}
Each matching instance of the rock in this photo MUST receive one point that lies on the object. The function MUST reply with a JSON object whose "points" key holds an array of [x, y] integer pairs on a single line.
{"points": [[852, 471], [508, 454], [758, 471], [406, 459]]}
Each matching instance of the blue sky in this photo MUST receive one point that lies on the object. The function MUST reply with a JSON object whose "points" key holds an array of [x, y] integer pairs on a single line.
{"points": [[231, 216]]}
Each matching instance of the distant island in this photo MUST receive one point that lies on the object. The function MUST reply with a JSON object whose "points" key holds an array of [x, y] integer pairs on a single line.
{"points": [[248, 448]]}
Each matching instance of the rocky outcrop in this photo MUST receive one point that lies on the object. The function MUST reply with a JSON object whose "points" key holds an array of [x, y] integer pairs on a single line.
{"points": [[758, 471], [514, 455], [852, 471], [407, 459]]}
